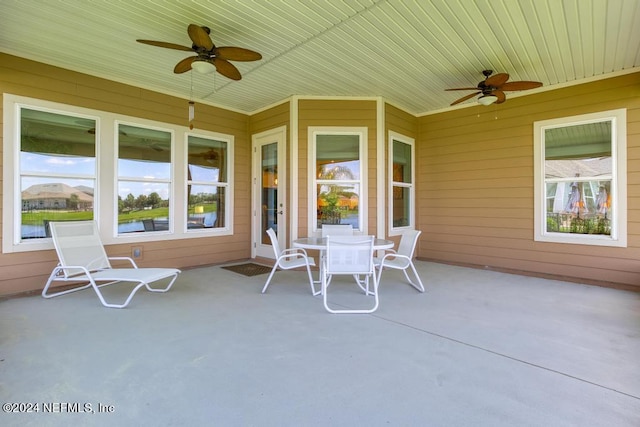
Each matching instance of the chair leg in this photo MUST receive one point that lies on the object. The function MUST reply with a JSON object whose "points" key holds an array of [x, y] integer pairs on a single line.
{"points": [[52, 278], [166, 289], [354, 311], [311, 282], [419, 286], [266, 285]]}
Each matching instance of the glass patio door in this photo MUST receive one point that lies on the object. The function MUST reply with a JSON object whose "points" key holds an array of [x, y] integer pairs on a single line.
{"points": [[268, 191]]}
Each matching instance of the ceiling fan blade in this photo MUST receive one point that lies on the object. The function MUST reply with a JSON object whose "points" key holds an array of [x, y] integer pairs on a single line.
{"points": [[464, 98], [231, 53], [501, 96], [227, 69], [464, 88], [184, 65], [199, 37], [497, 80], [522, 85], [165, 44]]}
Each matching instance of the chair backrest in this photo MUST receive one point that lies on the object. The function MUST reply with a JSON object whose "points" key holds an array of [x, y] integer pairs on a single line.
{"points": [[408, 243], [274, 242], [148, 225], [349, 255], [78, 243], [337, 230]]}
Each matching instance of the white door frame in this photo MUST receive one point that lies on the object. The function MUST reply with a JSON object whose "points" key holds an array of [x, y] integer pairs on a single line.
{"points": [[277, 135]]}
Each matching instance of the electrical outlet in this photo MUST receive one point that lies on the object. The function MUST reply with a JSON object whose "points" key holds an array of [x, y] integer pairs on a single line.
{"points": [[136, 252]]}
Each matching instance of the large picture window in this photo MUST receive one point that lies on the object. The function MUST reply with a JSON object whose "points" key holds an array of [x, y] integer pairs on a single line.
{"points": [[144, 179], [141, 180], [581, 179], [401, 178], [338, 181], [57, 170]]}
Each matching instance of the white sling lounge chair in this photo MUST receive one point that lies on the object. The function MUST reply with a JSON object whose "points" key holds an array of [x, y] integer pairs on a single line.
{"points": [[84, 262]]}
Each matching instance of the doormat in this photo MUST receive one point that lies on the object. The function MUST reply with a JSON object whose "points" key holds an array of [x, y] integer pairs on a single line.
{"points": [[248, 269]]}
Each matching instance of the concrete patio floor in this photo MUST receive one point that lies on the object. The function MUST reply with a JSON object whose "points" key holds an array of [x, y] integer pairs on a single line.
{"points": [[478, 348]]}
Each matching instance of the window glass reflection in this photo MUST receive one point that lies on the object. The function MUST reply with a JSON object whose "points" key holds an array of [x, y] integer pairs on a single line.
{"points": [[206, 182], [578, 170], [144, 173], [57, 170], [338, 180]]}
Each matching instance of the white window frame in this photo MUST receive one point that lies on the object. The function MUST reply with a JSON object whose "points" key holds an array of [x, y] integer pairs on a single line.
{"points": [[396, 231], [618, 237], [313, 133], [170, 180], [106, 194], [227, 185]]}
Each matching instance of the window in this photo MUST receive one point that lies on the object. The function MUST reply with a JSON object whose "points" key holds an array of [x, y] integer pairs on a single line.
{"points": [[401, 177], [338, 167], [144, 179], [207, 183], [141, 180], [581, 179], [57, 171]]}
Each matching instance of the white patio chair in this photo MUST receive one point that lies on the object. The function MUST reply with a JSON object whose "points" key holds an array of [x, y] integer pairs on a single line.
{"points": [[84, 262], [402, 259], [337, 230], [352, 256], [288, 259]]}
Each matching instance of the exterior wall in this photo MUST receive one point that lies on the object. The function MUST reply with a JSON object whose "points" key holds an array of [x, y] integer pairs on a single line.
{"points": [[28, 271], [474, 174], [336, 113], [476, 203]]}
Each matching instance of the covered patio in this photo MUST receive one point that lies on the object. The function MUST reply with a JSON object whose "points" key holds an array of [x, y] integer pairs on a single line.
{"points": [[478, 348]]}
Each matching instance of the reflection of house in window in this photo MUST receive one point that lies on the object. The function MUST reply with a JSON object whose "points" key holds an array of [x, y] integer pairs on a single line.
{"points": [[591, 177], [57, 196]]}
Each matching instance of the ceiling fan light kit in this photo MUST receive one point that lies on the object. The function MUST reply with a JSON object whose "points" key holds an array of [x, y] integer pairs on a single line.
{"points": [[487, 99], [203, 67]]}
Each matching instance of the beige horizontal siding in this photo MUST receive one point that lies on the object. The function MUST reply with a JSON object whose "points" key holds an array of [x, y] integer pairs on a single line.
{"points": [[28, 271], [476, 203]]}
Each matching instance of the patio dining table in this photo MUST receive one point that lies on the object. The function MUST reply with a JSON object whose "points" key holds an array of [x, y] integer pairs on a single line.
{"points": [[320, 244]]}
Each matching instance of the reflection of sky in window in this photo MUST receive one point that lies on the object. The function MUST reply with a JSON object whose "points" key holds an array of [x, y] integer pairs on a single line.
{"points": [[137, 188], [46, 163], [204, 173], [143, 169]]}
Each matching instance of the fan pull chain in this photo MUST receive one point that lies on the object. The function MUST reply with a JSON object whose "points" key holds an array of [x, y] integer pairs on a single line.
{"points": [[192, 105]]}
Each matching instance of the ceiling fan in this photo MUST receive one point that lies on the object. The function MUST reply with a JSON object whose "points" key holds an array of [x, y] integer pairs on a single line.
{"points": [[210, 156], [492, 88], [207, 54]]}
